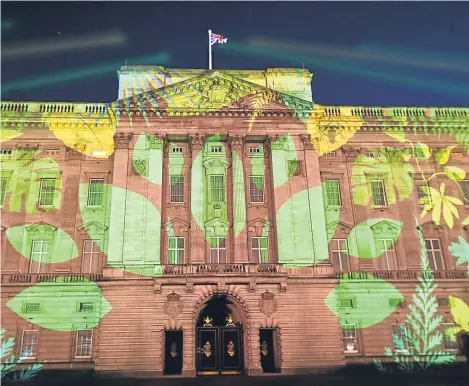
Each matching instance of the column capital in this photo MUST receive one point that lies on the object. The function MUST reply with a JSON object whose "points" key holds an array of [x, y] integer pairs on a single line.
{"points": [[196, 141], [236, 142], [306, 140], [122, 141]]}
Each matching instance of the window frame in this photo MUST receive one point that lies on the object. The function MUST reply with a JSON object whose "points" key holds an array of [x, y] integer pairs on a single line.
{"points": [[77, 341], [180, 185], [35, 344], [335, 243], [3, 190], [403, 327], [41, 252], [51, 193], [260, 249], [383, 185], [431, 255], [176, 250], [355, 337], [255, 190], [339, 198], [444, 327], [218, 249], [219, 189], [383, 255], [99, 205], [92, 253]]}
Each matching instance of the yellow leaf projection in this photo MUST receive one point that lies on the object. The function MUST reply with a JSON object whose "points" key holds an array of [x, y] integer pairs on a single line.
{"points": [[460, 312], [437, 202], [89, 135]]}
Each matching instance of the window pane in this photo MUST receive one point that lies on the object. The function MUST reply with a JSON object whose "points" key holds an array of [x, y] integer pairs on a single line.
{"points": [[46, 191], [29, 344], [222, 256], [180, 256], [399, 337], [263, 242], [177, 189], [171, 256], [87, 246], [214, 256], [255, 242], [217, 188], [256, 188], [84, 343], [213, 242], [37, 246], [333, 192], [222, 242], [428, 244], [172, 242], [436, 244], [377, 189], [180, 242]]}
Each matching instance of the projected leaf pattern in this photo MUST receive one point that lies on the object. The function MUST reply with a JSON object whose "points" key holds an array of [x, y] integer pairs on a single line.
{"points": [[95, 140]]}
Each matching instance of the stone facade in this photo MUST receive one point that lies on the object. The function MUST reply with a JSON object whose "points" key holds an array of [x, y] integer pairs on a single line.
{"points": [[203, 125]]}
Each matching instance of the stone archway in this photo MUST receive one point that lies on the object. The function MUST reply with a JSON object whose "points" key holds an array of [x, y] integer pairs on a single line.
{"points": [[220, 325]]}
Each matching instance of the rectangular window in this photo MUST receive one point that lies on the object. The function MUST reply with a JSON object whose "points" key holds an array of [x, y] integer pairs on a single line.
{"points": [[465, 191], [176, 149], [399, 337], [3, 190], [84, 343], [177, 189], [256, 188], [46, 191], [217, 189], [32, 308], [421, 191], [216, 149], [90, 262], [176, 250], [218, 250], [260, 252], [449, 336], [255, 150], [349, 338], [96, 192], [434, 254], [340, 254], [378, 192], [86, 307], [29, 344], [332, 193], [387, 252], [331, 154], [39, 256]]}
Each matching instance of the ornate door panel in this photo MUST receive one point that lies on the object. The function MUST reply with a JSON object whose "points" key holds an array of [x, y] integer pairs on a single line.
{"points": [[220, 350], [231, 352], [267, 350], [207, 355], [173, 352]]}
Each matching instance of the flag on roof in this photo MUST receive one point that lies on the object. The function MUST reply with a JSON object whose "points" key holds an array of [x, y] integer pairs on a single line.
{"points": [[214, 38]]}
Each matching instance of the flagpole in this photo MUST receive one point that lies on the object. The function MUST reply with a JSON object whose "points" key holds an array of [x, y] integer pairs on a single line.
{"points": [[209, 51]]}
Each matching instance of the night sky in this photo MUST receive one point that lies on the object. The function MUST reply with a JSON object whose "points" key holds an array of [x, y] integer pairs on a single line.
{"points": [[361, 53]]}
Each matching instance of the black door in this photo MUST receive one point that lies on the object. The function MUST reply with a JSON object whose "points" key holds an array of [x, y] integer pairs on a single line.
{"points": [[173, 352], [267, 350], [220, 350]]}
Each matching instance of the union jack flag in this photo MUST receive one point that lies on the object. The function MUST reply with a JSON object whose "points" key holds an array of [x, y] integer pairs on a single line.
{"points": [[214, 38]]}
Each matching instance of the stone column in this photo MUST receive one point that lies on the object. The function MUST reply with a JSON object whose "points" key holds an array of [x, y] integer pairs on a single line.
{"points": [[240, 241], [197, 201], [117, 217], [316, 201]]}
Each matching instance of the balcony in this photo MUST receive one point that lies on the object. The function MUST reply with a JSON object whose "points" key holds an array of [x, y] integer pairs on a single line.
{"points": [[224, 269], [402, 275], [33, 278]]}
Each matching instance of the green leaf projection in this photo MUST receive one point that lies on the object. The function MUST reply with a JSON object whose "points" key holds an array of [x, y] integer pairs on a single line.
{"points": [[362, 302], [461, 251], [388, 166], [416, 347], [61, 245], [364, 239], [61, 306]]}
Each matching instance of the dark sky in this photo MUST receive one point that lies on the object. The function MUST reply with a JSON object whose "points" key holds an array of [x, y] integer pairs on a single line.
{"points": [[429, 40]]}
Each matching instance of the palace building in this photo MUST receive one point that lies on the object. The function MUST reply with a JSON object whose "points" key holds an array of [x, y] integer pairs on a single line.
{"points": [[213, 222]]}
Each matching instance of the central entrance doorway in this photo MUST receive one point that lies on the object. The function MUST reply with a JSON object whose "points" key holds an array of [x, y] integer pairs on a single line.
{"points": [[219, 338]]}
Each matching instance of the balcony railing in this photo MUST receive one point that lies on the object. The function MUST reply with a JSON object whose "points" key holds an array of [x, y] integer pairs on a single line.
{"points": [[402, 274], [238, 270], [50, 278]]}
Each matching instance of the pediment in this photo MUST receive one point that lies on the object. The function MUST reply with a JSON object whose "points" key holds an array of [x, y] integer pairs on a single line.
{"points": [[344, 227], [92, 226], [431, 226], [386, 227], [40, 228], [258, 225], [216, 222], [216, 91], [176, 225]]}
